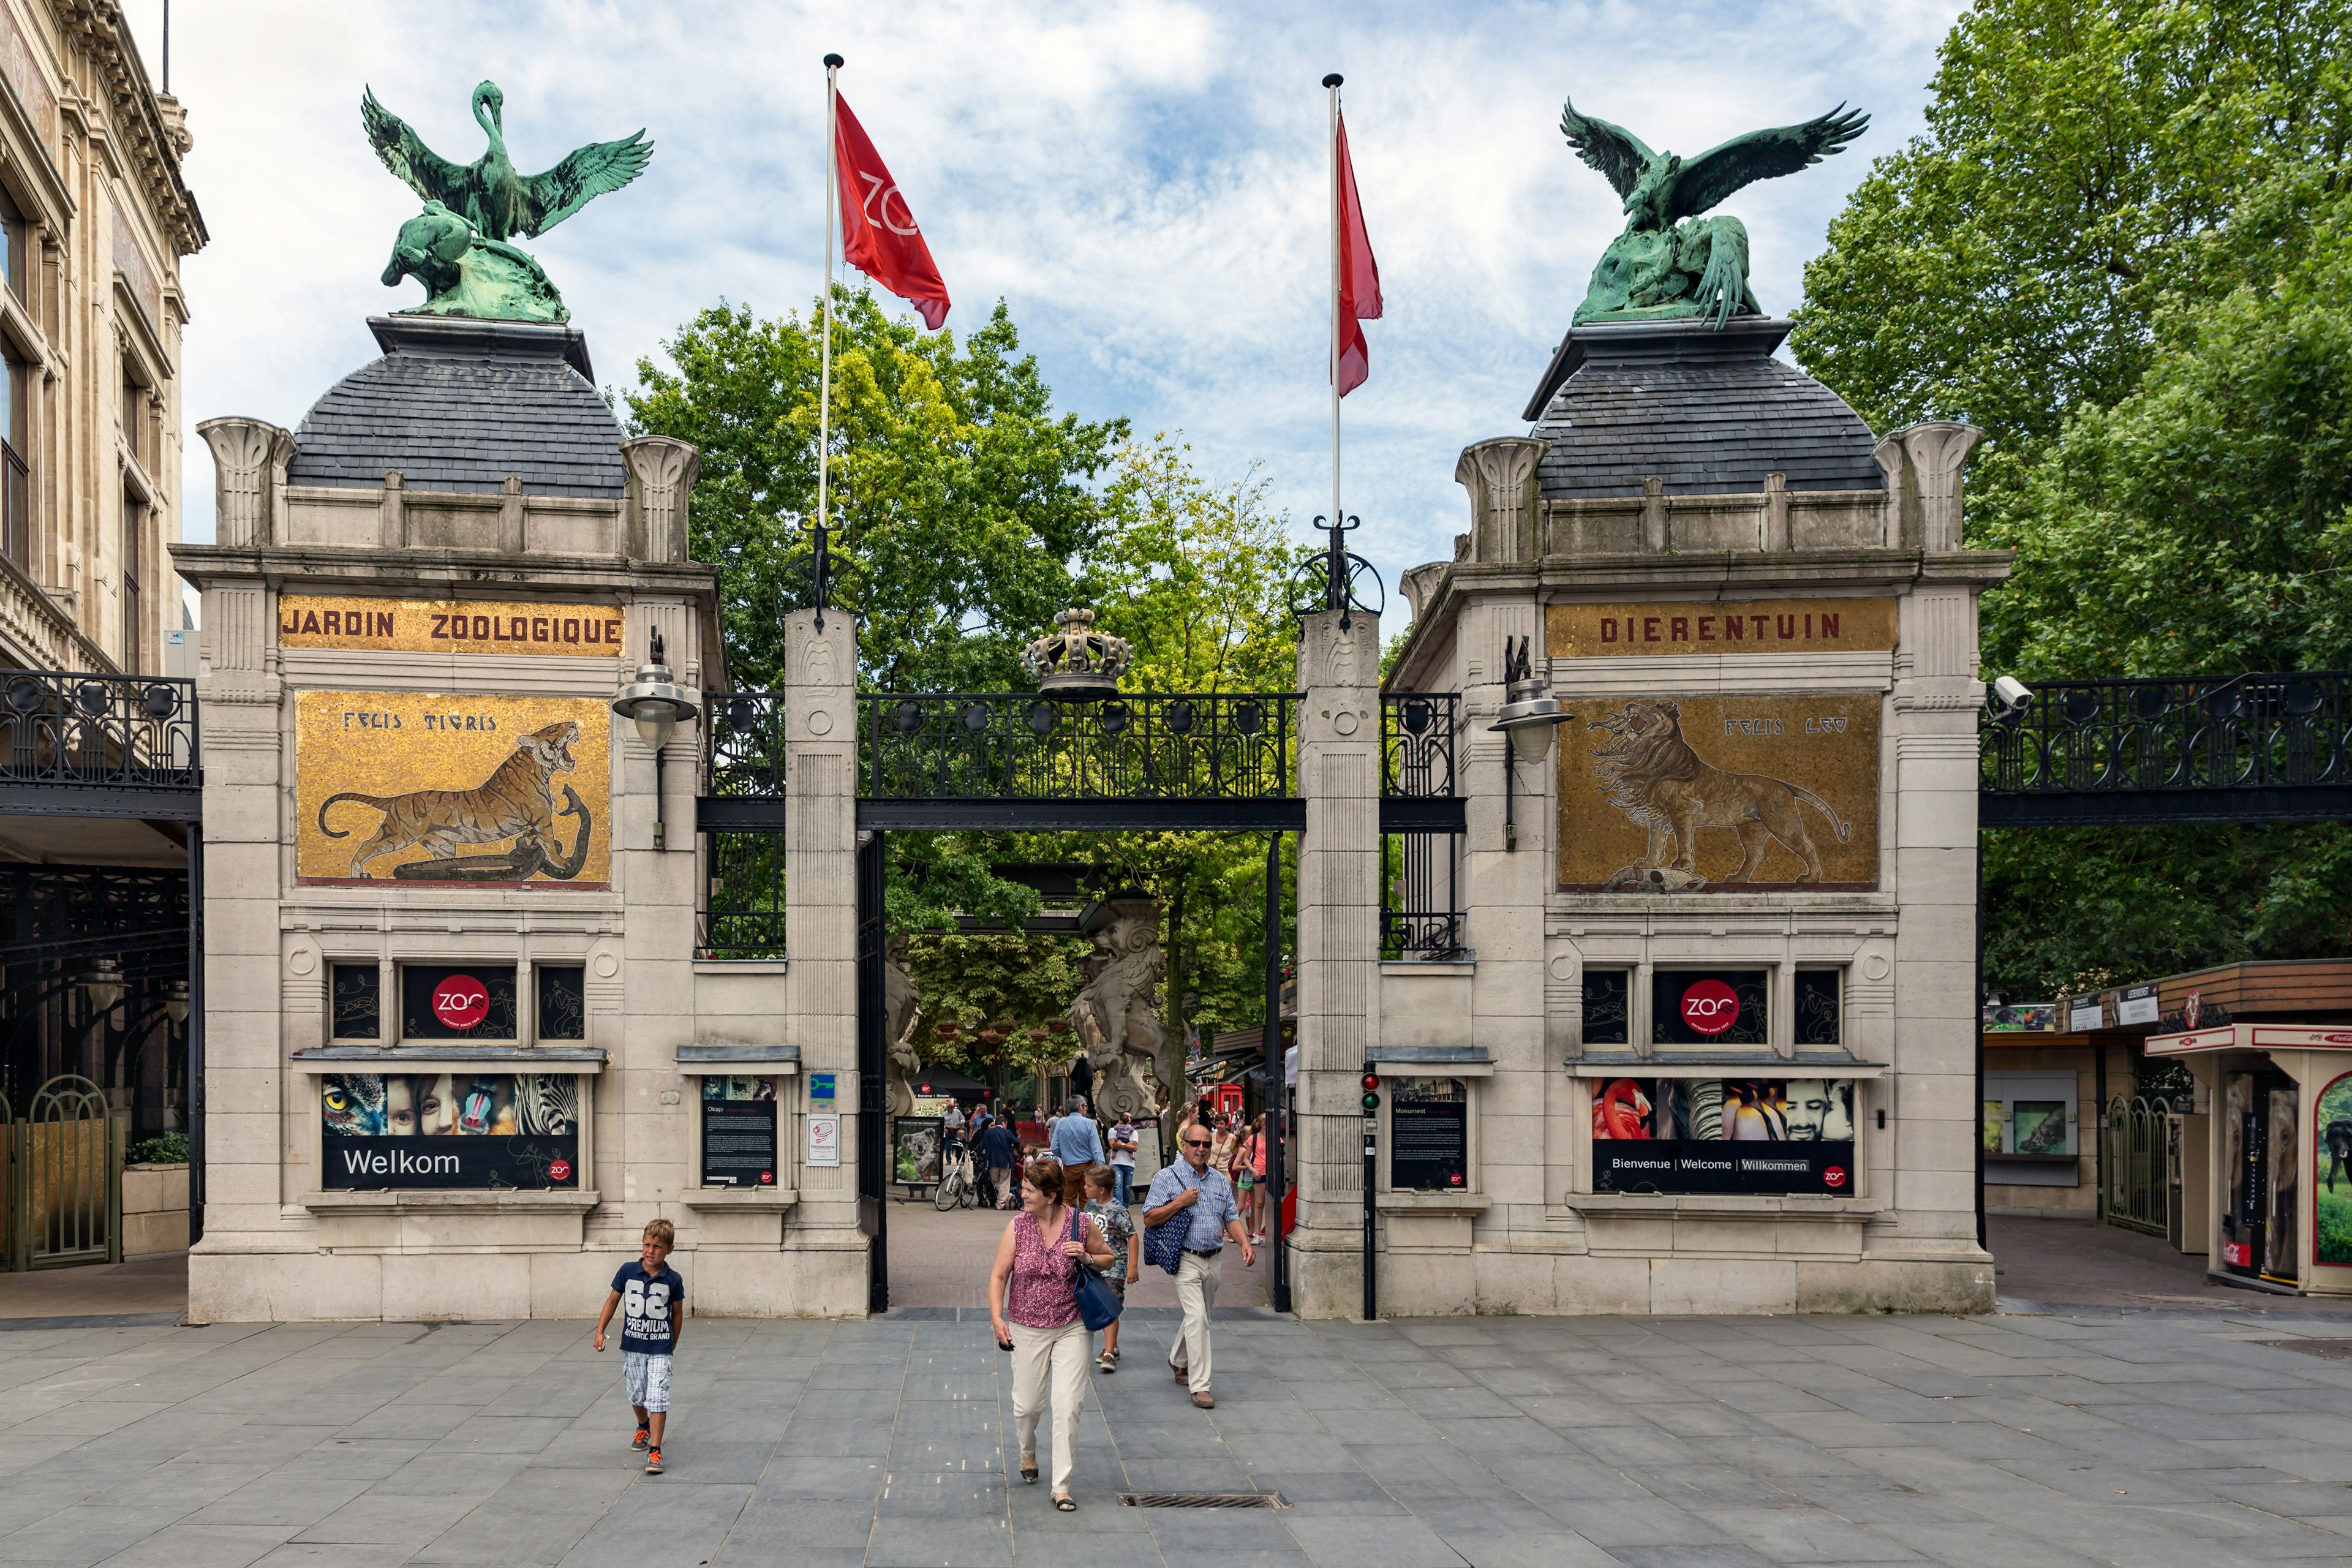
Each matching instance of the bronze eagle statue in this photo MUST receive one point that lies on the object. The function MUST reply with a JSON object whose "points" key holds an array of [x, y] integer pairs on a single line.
{"points": [[1670, 262], [487, 193]]}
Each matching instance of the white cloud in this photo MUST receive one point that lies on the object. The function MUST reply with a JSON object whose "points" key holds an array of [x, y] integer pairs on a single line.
{"points": [[1143, 182]]}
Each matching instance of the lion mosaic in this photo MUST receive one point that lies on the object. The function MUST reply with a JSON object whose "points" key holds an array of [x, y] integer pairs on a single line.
{"points": [[517, 801], [1648, 771]]}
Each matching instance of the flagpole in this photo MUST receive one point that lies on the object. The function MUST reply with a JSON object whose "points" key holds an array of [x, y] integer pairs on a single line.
{"points": [[833, 64], [1331, 148]]}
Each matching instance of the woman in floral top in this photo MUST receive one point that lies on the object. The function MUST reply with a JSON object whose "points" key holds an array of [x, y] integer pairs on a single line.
{"points": [[1126, 1249]]}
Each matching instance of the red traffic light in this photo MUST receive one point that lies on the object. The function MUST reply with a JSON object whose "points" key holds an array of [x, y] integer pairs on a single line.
{"points": [[1372, 1081]]}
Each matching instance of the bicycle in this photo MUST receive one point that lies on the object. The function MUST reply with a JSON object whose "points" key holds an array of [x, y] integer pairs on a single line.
{"points": [[956, 1182]]}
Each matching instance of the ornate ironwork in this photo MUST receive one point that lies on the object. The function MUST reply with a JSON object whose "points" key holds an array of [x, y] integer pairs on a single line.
{"points": [[747, 744], [813, 568], [2245, 747], [1075, 660], [118, 732], [73, 911], [1337, 577], [743, 913], [1016, 746], [1417, 731]]}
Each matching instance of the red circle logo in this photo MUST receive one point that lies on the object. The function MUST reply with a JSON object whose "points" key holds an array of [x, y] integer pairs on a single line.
{"points": [[1834, 1176], [1710, 1007], [461, 1002], [560, 1169], [767, 1178]]}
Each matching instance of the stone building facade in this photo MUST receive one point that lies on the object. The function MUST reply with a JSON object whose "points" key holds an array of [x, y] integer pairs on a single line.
{"points": [[96, 219], [1711, 1004]]}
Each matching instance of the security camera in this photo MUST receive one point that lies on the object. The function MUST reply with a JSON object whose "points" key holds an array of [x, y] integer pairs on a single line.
{"points": [[2014, 694]]}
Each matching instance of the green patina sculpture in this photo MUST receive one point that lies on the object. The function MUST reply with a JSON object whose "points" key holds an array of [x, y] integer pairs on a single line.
{"points": [[1669, 262], [458, 248]]}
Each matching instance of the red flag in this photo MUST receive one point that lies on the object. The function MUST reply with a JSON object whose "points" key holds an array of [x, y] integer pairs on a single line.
{"points": [[1360, 276], [877, 228]]}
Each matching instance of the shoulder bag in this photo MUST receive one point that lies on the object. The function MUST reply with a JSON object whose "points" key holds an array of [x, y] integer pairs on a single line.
{"points": [[1164, 1245], [1098, 1304]]}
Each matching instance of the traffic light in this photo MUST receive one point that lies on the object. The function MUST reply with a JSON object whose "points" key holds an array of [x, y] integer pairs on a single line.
{"points": [[1371, 1091]]}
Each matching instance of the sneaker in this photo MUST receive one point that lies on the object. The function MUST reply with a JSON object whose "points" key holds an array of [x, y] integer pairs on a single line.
{"points": [[645, 1440], [653, 1462], [1106, 1363]]}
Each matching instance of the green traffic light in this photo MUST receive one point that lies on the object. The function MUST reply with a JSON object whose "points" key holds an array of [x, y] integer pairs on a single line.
{"points": [[1371, 1102]]}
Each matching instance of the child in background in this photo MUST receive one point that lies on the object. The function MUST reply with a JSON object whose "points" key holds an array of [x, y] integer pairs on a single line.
{"points": [[652, 1292]]}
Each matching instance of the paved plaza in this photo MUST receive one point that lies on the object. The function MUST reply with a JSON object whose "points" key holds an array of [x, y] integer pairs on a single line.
{"points": [[2025, 1440]]}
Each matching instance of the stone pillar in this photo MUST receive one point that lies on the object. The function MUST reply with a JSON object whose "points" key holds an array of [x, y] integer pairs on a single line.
{"points": [[250, 459], [662, 470], [1339, 951], [820, 928], [1500, 476], [1922, 464]]}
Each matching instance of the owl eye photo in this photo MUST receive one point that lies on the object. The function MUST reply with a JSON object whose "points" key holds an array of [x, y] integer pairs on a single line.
{"points": [[352, 1104]]}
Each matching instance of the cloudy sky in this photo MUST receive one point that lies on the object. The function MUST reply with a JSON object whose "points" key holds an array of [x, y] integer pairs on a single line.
{"points": [[1142, 181]]}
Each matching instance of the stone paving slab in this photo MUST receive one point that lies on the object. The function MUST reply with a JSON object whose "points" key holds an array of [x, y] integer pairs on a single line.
{"points": [[2140, 1439]]}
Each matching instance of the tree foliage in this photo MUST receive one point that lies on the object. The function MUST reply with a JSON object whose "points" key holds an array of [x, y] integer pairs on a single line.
{"points": [[2123, 248]]}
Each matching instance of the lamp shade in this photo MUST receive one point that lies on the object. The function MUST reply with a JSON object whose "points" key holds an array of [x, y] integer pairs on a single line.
{"points": [[1529, 718], [654, 701]]}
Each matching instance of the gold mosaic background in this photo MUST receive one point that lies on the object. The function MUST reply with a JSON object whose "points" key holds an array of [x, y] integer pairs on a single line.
{"points": [[1685, 626], [1827, 744], [387, 743], [441, 626]]}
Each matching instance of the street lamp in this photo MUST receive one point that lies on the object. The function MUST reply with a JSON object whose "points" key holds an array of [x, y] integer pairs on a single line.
{"points": [[655, 702], [1527, 719]]}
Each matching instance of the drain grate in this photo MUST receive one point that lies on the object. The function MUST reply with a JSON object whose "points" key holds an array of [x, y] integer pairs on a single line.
{"points": [[1200, 1499], [2326, 1349]]}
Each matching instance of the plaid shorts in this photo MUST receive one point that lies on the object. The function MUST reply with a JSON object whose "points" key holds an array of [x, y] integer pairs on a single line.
{"points": [[646, 1376]]}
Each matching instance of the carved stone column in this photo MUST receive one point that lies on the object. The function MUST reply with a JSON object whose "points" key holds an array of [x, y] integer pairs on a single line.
{"points": [[1339, 952], [662, 470], [821, 898], [1923, 465], [1500, 476], [250, 459]]}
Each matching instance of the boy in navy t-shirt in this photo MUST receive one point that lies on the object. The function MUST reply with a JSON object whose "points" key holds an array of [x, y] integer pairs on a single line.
{"points": [[651, 1292]]}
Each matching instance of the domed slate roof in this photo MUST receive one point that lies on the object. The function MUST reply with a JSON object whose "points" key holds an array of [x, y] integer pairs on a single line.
{"points": [[1710, 412], [456, 404]]}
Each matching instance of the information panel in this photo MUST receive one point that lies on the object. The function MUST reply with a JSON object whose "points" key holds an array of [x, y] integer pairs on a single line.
{"points": [[1723, 1135], [1429, 1135], [738, 1132]]}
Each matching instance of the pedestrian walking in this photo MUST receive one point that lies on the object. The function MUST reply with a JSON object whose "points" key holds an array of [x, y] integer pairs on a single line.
{"points": [[1109, 1210], [1195, 1194], [1078, 1145], [1249, 1179], [652, 1293], [999, 1151], [1123, 1146], [1033, 1304]]}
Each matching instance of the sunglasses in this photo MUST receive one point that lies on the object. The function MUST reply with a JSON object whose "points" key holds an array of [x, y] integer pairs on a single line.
{"points": [[1196, 1143]]}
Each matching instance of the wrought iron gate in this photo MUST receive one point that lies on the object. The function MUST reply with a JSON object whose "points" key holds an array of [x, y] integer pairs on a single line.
{"points": [[2139, 1193], [63, 1184]]}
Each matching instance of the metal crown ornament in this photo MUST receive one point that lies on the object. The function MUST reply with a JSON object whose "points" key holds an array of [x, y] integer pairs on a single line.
{"points": [[1075, 660]]}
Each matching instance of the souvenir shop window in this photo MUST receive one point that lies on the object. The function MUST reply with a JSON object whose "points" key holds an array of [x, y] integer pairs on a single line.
{"points": [[1708, 1007], [355, 994], [457, 1002], [563, 1001], [1608, 1007], [1819, 1013]]}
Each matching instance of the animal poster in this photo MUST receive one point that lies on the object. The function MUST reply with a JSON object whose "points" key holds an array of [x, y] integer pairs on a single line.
{"points": [[461, 791], [918, 1145], [450, 1129], [1723, 1135], [1693, 795], [2331, 1176]]}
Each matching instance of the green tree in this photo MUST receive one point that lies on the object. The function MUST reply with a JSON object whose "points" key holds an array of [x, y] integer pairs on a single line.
{"points": [[964, 502], [2120, 248]]}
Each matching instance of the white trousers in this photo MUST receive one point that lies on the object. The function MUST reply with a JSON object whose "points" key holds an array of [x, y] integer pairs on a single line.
{"points": [[1196, 1293], [1063, 1353]]}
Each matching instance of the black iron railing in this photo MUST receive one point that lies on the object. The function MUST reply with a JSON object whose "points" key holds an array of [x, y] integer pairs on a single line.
{"points": [[117, 732], [1421, 915], [2275, 747], [747, 744], [1200, 746], [743, 906]]}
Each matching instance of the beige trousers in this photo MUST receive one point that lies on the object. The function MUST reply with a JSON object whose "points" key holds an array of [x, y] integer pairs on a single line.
{"points": [[1196, 1293], [1062, 1353]]}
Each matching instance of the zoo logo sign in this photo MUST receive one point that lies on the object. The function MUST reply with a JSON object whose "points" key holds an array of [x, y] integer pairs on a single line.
{"points": [[1710, 1007], [460, 1002]]}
